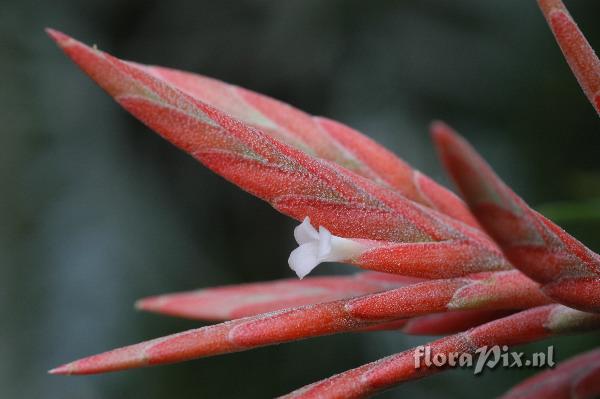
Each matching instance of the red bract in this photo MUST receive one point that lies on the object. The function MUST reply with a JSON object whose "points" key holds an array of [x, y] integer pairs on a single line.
{"points": [[574, 378], [520, 328], [487, 290], [495, 291], [567, 269], [319, 137], [230, 302], [390, 233], [443, 273], [440, 323], [579, 54], [450, 322]]}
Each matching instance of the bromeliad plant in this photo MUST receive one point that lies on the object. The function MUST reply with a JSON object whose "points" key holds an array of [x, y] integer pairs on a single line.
{"points": [[490, 271]]}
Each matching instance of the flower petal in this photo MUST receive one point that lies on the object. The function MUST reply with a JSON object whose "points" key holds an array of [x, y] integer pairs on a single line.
{"points": [[304, 258], [305, 232]]}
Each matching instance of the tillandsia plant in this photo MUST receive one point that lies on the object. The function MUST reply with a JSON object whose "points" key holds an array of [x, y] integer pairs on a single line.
{"points": [[483, 272]]}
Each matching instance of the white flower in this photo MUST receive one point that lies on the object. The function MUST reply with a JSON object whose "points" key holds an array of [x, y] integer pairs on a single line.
{"points": [[319, 246]]}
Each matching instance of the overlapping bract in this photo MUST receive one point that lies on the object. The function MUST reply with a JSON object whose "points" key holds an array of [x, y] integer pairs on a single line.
{"points": [[320, 137], [403, 223]]}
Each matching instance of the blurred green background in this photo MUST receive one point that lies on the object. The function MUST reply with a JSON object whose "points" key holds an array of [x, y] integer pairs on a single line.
{"points": [[97, 211]]}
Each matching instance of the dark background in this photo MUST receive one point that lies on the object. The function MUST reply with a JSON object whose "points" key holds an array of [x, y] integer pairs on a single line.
{"points": [[97, 211]]}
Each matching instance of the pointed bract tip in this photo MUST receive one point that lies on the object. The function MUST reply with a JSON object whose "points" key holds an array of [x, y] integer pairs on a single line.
{"points": [[437, 126], [59, 37], [440, 131], [65, 369], [547, 6], [149, 304], [140, 304], [437, 123]]}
